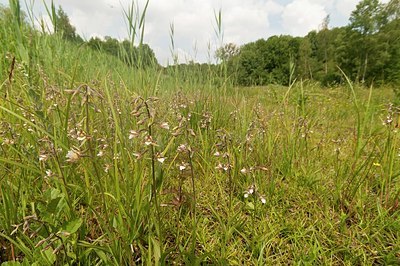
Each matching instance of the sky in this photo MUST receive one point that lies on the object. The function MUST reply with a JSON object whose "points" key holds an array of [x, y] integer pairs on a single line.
{"points": [[195, 28]]}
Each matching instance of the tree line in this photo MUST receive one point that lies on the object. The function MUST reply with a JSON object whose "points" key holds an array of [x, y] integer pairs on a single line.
{"points": [[133, 55], [367, 50]]}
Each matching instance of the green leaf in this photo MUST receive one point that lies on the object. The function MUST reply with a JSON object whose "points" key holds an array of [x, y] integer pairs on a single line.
{"points": [[250, 205], [72, 226], [11, 263], [52, 206], [156, 250]]}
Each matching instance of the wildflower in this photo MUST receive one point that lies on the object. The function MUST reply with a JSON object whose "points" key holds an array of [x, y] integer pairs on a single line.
{"points": [[141, 122], [217, 153], [388, 120], [244, 171], [191, 132], [224, 167], [183, 166], [377, 164], [100, 153], [160, 158], [206, 120], [138, 155], [133, 134], [148, 140], [107, 167], [164, 125], [43, 157], [219, 166], [246, 195], [263, 200], [49, 173], [73, 156], [251, 189], [182, 148], [81, 135], [176, 132]]}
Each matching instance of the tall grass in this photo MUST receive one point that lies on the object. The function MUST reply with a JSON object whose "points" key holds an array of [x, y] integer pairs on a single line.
{"points": [[103, 164]]}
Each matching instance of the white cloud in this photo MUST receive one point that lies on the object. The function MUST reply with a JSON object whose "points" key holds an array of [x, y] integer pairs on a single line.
{"points": [[195, 25], [245, 22], [345, 7], [302, 16], [194, 22]]}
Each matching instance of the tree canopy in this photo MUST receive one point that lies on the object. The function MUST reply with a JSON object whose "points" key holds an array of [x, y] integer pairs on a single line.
{"points": [[367, 50]]}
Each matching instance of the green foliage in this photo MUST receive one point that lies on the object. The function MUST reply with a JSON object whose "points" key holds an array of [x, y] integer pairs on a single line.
{"points": [[367, 50], [267, 61], [367, 18], [227, 52], [65, 28], [141, 56]]}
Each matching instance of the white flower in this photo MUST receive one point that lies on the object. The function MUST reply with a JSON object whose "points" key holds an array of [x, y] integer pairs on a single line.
{"points": [[73, 156], [191, 132], [182, 148], [161, 159], [100, 154], [244, 171], [81, 135], [251, 190], [107, 167], [246, 195], [148, 140], [8, 141], [217, 154], [138, 155], [263, 200], [183, 166], [133, 134], [43, 157], [219, 166], [164, 125], [49, 173]]}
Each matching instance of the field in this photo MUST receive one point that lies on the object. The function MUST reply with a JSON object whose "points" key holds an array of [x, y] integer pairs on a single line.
{"points": [[104, 164]]}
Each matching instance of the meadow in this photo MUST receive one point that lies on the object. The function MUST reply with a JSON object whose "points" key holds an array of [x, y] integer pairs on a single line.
{"points": [[105, 164]]}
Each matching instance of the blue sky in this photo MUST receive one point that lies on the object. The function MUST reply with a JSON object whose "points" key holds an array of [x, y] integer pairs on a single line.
{"points": [[243, 21]]}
